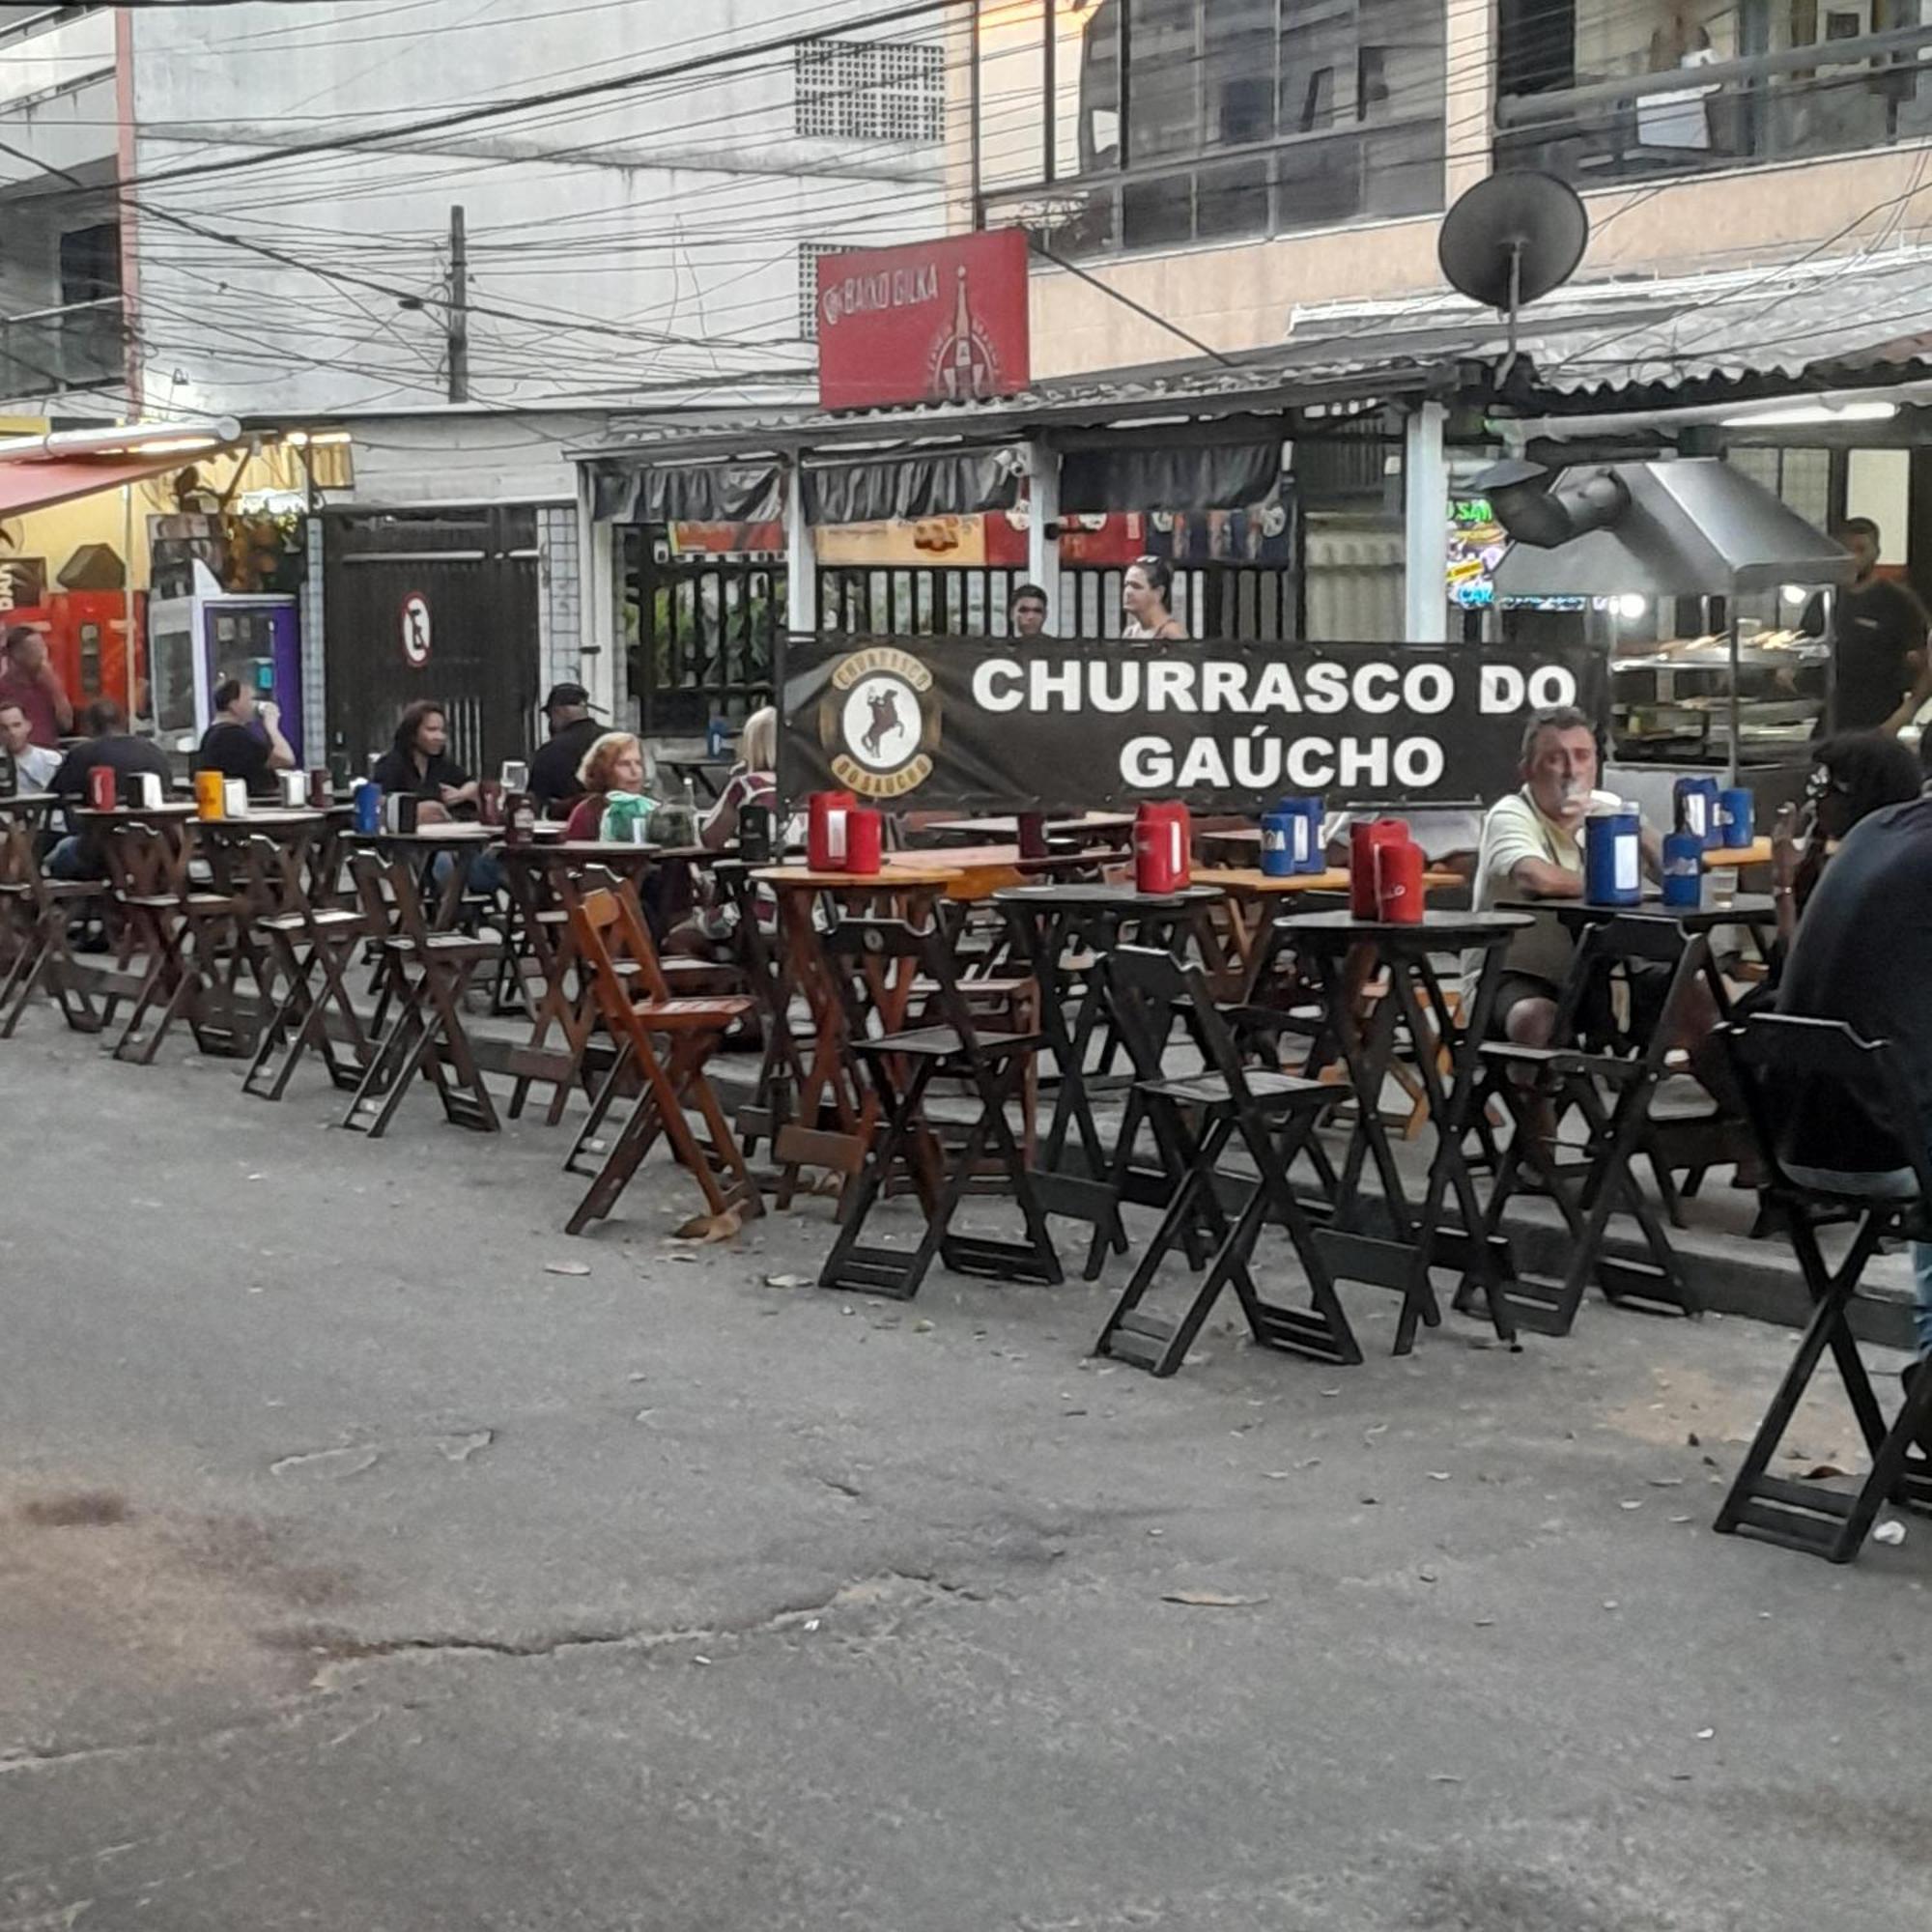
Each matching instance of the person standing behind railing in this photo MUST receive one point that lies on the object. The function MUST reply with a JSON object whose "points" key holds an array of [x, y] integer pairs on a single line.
{"points": [[1146, 596]]}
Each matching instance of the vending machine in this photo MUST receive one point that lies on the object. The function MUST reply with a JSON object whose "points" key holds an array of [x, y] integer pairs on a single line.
{"points": [[197, 640]]}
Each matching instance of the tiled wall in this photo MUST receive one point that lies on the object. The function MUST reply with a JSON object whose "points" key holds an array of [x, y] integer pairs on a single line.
{"points": [[315, 711], [561, 605]]}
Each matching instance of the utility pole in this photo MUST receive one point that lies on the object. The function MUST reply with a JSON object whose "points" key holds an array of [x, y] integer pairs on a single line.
{"points": [[459, 307]]}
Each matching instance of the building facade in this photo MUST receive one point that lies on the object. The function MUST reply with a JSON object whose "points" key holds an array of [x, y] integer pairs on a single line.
{"points": [[1232, 175], [458, 234], [1224, 163]]}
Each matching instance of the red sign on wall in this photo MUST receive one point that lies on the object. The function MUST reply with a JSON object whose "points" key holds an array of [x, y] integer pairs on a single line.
{"points": [[933, 322]]}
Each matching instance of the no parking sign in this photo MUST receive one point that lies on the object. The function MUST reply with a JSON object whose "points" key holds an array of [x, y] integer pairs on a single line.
{"points": [[416, 630]]}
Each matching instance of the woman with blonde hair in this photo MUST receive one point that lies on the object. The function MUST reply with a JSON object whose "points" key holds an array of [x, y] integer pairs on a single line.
{"points": [[754, 780], [612, 775]]}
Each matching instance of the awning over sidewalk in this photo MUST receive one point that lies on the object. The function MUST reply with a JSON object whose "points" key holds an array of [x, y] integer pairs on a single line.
{"points": [[39, 471], [30, 483]]}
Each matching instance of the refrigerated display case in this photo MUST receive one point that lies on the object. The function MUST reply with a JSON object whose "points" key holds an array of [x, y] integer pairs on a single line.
{"points": [[198, 640]]}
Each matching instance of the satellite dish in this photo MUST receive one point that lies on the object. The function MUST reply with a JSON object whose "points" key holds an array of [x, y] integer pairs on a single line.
{"points": [[1511, 239]]}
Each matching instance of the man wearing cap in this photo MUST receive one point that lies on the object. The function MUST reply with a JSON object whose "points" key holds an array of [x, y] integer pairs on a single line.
{"points": [[572, 730]]}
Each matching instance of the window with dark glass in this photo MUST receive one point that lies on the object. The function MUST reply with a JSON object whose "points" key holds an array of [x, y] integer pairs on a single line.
{"points": [[1203, 120], [1607, 90]]}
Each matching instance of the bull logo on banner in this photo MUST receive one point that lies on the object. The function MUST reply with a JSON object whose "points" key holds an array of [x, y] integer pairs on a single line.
{"points": [[879, 723]]}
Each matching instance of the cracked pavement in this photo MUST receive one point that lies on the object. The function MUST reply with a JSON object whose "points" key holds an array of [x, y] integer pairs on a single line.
{"points": [[355, 1572]]}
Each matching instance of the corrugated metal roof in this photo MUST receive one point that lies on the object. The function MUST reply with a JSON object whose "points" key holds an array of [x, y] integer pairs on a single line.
{"points": [[1256, 383], [1823, 318]]}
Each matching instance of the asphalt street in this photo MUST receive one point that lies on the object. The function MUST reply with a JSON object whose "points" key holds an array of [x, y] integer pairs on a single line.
{"points": [[358, 1571]]}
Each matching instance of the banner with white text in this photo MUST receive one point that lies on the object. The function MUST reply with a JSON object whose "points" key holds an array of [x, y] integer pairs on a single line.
{"points": [[1063, 724]]}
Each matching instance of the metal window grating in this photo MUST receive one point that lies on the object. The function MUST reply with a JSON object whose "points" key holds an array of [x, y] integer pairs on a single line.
{"points": [[809, 253], [871, 90]]}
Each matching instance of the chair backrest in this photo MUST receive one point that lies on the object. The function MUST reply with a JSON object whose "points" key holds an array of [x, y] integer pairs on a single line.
{"points": [[609, 928], [1151, 991], [143, 860], [17, 852], [369, 875], [864, 951], [1645, 939], [1788, 1066], [1147, 988], [261, 877]]}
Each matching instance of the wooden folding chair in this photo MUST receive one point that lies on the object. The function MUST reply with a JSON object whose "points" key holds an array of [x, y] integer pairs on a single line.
{"points": [[193, 944], [898, 1067], [1788, 1068], [307, 944], [612, 937], [766, 965], [428, 973], [1612, 1094], [36, 910], [1197, 1117]]}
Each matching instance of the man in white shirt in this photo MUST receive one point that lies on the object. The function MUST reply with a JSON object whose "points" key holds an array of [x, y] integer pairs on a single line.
{"points": [[1532, 848], [35, 763]]}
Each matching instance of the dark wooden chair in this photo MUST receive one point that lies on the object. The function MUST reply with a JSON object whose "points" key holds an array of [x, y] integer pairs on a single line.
{"points": [[1612, 1092], [312, 947], [898, 1067], [427, 975], [193, 946], [35, 911], [1787, 1066], [1197, 1117]]}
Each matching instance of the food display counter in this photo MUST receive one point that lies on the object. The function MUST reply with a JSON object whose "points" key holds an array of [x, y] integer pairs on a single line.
{"points": [[1671, 702], [1701, 591]]}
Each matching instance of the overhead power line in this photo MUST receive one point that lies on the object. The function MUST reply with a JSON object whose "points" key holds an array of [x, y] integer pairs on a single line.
{"points": [[468, 117]]}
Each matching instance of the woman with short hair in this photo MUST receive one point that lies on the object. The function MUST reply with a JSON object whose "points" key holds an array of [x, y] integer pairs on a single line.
{"points": [[615, 797]]}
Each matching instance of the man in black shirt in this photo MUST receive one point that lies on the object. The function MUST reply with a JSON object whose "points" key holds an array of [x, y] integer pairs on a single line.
{"points": [[553, 780], [1864, 955], [1879, 675], [232, 745], [108, 743]]}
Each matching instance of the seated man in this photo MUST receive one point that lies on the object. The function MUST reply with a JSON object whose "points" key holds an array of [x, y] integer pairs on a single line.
{"points": [[243, 740], [572, 730], [1532, 848], [34, 764], [108, 743], [1864, 955]]}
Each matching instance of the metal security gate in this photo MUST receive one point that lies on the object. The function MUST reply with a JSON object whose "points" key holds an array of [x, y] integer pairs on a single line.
{"points": [[438, 604], [1217, 599], [704, 631], [705, 634]]}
